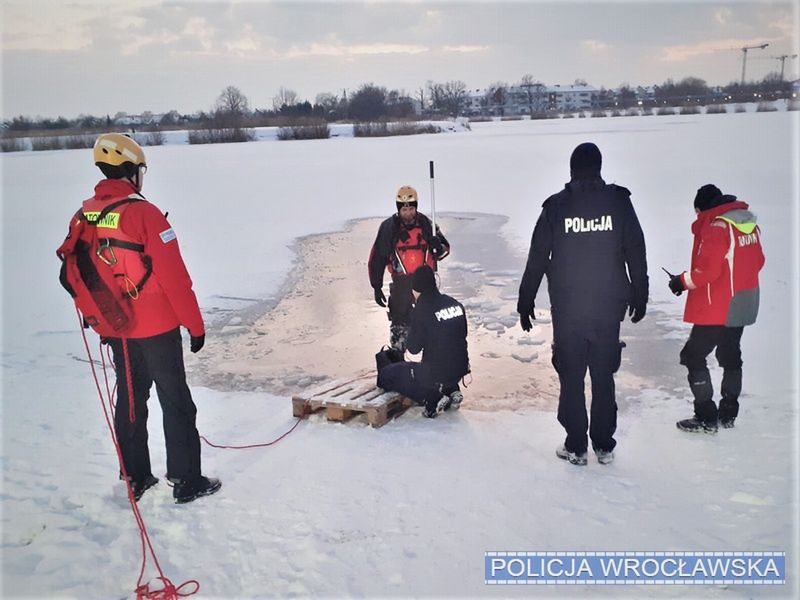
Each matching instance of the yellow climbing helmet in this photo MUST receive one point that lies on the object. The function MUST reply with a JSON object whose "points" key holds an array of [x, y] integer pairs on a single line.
{"points": [[406, 196], [116, 149]]}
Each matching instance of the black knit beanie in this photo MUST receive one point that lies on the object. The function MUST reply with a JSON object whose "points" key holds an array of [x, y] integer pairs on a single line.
{"points": [[423, 280], [585, 161], [707, 197]]}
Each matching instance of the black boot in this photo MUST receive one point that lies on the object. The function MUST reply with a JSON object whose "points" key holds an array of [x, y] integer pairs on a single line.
{"points": [[729, 405], [695, 425], [703, 392], [140, 486], [397, 339], [186, 491], [455, 397]]}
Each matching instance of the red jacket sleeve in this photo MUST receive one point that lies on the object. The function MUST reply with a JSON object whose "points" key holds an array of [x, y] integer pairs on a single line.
{"points": [[161, 244], [708, 262]]}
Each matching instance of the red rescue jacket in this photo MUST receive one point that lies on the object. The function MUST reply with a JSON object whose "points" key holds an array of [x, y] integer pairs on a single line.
{"points": [[410, 253], [149, 266], [726, 259], [401, 249]]}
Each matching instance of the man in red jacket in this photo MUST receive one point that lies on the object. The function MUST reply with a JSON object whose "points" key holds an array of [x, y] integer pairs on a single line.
{"points": [[138, 244], [405, 242], [723, 298]]}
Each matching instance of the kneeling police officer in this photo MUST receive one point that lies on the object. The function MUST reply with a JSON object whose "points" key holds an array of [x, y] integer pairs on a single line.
{"points": [[439, 330]]}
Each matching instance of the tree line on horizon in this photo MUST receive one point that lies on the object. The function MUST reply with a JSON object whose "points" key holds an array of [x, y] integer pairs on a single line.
{"points": [[371, 102]]}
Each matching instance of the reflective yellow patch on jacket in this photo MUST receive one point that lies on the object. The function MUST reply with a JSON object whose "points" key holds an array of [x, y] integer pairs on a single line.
{"points": [[746, 228], [110, 221]]}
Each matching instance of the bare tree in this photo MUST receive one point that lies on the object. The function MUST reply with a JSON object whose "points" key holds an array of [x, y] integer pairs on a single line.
{"points": [[455, 95], [329, 103], [435, 95], [420, 96], [534, 91], [399, 104], [497, 96], [326, 99], [233, 102], [284, 97], [449, 97], [367, 103]]}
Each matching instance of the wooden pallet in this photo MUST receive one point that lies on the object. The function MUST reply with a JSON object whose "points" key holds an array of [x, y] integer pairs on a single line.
{"points": [[343, 399]]}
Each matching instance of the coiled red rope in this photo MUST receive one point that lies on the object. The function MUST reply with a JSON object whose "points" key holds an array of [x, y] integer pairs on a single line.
{"points": [[143, 591], [168, 591]]}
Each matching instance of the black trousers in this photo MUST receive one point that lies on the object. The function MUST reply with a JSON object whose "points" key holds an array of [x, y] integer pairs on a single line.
{"points": [[401, 300], [728, 343], [404, 377], [580, 343], [156, 359]]}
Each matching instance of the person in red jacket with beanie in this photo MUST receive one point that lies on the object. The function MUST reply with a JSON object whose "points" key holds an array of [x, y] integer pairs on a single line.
{"points": [[723, 298], [141, 248]]}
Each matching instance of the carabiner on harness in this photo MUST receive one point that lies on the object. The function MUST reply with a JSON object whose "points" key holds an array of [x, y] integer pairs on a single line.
{"points": [[105, 245]]}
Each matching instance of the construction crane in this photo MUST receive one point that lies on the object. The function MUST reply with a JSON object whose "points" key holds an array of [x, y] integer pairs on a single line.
{"points": [[783, 58], [744, 56]]}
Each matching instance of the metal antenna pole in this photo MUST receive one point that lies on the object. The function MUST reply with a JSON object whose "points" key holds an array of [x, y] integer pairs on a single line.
{"points": [[433, 200]]}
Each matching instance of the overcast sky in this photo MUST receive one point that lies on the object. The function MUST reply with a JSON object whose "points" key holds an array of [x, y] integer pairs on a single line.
{"points": [[64, 57]]}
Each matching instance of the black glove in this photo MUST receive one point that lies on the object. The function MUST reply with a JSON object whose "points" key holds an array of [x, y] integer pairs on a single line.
{"points": [[380, 299], [197, 342], [637, 310], [676, 285], [437, 249], [525, 320]]}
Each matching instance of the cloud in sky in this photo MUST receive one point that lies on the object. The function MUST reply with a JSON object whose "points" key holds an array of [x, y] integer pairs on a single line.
{"points": [[344, 50], [59, 60], [785, 24], [465, 49], [723, 15], [595, 45]]}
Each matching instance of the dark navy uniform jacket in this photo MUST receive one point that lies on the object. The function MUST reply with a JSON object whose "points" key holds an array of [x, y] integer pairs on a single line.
{"points": [[589, 243], [439, 329]]}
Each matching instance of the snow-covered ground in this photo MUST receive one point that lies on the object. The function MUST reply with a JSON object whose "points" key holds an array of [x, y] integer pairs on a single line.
{"points": [[409, 509]]}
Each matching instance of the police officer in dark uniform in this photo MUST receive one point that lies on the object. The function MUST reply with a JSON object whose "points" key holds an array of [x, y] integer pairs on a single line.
{"points": [[586, 236], [439, 330]]}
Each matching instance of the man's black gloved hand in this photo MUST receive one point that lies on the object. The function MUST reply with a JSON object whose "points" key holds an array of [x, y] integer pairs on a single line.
{"points": [[197, 342], [637, 310], [380, 299], [676, 285], [437, 249], [525, 320]]}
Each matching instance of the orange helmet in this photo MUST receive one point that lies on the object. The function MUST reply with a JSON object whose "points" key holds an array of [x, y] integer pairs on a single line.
{"points": [[115, 149]]}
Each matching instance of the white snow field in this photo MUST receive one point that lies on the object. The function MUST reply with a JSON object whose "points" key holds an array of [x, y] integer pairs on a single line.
{"points": [[407, 510]]}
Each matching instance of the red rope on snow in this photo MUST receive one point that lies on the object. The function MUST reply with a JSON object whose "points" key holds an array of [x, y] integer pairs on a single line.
{"points": [[168, 592], [143, 591], [272, 443], [128, 380]]}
